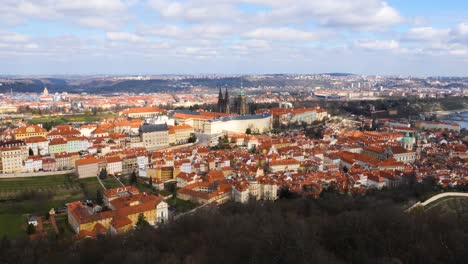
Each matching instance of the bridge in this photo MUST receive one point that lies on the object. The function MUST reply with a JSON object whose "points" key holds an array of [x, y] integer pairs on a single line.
{"points": [[436, 198]]}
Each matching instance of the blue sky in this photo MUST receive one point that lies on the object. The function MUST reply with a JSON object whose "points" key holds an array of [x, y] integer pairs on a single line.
{"points": [[404, 37]]}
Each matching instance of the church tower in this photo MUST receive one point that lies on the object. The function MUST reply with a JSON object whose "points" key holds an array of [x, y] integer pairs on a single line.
{"points": [[45, 92], [227, 106], [221, 103], [242, 101], [407, 142]]}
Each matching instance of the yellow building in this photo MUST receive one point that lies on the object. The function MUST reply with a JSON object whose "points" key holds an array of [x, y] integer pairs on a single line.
{"points": [[29, 131], [162, 173], [88, 221], [180, 134], [11, 160]]}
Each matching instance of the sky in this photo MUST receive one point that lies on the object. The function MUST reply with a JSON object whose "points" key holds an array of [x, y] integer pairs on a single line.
{"points": [[393, 37]]}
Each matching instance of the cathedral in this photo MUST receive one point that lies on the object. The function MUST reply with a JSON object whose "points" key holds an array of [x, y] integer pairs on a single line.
{"points": [[223, 102], [240, 104]]}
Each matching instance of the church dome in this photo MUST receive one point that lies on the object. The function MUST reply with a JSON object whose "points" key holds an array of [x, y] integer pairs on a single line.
{"points": [[407, 139]]}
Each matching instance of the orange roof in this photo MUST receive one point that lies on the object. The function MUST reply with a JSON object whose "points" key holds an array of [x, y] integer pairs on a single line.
{"points": [[58, 141], [125, 206], [113, 159], [183, 126], [120, 221], [89, 160], [139, 110], [284, 162], [64, 130], [99, 130], [35, 129], [35, 139], [114, 191]]}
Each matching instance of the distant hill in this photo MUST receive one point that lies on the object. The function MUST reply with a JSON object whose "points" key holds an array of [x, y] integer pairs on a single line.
{"points": [[110, 85], [339, 74]]}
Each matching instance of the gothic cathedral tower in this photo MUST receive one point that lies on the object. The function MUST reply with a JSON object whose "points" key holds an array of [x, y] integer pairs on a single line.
{"points": [[242, 101], [227, 106], [221, 103]]}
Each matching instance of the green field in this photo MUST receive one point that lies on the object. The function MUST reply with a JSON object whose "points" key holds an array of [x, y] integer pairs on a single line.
{"points": [[42, 183], [11, 225], [181, 206], [111, 182], [65, 119], [37, 195]]}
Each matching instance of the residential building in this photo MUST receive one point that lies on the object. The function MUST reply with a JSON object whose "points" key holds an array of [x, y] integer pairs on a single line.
{"points": [[88, 221], [38, 144], [154, 136], [29, 131], [11, 160]]}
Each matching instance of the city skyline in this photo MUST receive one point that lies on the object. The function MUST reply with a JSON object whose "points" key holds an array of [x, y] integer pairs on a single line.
{"points": [[420, 38]]}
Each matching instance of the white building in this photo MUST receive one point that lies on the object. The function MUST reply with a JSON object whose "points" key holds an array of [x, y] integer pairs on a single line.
{"points": [[114, 165], [239, 124], [39, 145]]}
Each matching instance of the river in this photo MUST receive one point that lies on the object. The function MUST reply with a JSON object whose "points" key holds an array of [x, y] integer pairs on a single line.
{"points": [[464, 123]]}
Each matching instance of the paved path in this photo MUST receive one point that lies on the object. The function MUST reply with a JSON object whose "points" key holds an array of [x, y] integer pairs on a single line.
{"points": [[117, 179], [34, 174], [102, 184], [436, 198]]}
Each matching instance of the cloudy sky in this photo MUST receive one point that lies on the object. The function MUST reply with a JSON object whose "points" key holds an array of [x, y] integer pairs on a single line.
{"points": [[409, 37]]}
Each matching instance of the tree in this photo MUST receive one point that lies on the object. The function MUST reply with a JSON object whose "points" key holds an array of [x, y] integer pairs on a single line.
{"points": [[172, 188], [31, 152], [248, 131], [345, 169], [133, 178], [31, 229], [99, 198], [142, 223], [150, 182], [103, 174], [253, 149], [192, 138]]}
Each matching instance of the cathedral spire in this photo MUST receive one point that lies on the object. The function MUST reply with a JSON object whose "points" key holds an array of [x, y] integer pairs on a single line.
{"points": [[221, 102], [227, 107]]}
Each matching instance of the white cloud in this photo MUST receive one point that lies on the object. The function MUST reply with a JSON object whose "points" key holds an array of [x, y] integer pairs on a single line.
{"points": [[440, 41], [284, 34], [195, 10], [198, 31], [337, 13], [124, 36], [378, 44], [12, 37], [427, 34], [271, 34], [89, 13]]}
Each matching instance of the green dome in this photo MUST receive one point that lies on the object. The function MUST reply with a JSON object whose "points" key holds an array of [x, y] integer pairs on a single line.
{"points": [[407, 139]]}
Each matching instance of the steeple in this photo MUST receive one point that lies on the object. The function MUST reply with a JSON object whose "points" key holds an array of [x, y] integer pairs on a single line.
{"points": [[242, 92], [242, 101], [220, 101], [227, 106]]}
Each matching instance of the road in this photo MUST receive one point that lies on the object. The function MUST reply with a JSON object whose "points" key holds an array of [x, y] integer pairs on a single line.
{"points": [[203, 139]]}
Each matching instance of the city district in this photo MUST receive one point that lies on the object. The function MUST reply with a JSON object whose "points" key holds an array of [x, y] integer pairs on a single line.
{"points": [[211, 157]]}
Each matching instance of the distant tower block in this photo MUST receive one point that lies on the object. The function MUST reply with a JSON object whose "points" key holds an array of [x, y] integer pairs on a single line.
{"points": [[46, 92]]}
